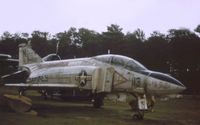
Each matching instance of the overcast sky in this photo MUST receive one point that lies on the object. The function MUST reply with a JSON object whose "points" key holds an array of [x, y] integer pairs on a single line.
{"points": [[58, 15]]}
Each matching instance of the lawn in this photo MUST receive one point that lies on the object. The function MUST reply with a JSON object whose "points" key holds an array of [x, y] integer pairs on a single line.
{"points": [[58, 112]]}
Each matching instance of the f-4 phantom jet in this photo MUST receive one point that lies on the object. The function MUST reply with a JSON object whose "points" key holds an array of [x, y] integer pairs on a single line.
{"points": [[91, 78]]}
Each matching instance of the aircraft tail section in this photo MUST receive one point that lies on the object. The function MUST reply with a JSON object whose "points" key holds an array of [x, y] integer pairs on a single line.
{"points": [[27, 55]]}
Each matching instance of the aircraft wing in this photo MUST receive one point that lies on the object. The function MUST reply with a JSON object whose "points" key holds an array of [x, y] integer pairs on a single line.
{"points": [[42, 85]]}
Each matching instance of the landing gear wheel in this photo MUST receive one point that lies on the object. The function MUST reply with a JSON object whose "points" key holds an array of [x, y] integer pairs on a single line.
{"points": [[44, 94], [138, 117], [98, 102], [21, 92]]}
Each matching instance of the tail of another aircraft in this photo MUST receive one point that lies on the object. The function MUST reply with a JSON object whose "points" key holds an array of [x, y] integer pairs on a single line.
{"points": [[27, 55]]}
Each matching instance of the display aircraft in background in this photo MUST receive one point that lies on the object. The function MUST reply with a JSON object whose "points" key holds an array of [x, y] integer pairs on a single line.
{"points": [[7, 65], [91, 78]]}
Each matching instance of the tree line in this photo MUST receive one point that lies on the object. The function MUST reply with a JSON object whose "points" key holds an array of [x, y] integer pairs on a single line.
{"points": [[176, 53]]}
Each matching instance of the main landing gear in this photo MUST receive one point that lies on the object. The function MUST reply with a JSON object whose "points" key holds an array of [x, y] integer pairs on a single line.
{"points": [[21, 91], [44, 94], [98, 100]]}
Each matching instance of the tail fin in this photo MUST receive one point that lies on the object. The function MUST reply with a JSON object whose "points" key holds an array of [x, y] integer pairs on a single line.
{"points": [[27, 55]]}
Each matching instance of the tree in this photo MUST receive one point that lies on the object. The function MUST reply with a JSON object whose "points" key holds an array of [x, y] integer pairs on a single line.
{"points": [[156, 52], [90, 42], [197, 29], [69, 43], [139, 34], [112, 39], [134, 45], [39, 42], [184, 47], [6, 35]]}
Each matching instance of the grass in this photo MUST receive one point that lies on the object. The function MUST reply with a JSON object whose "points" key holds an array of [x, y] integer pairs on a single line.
{"points": [[58, 112]]}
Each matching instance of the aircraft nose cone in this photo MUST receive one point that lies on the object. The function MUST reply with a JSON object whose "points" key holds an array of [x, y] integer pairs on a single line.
{"points": [[182, 87], [169, 79]]}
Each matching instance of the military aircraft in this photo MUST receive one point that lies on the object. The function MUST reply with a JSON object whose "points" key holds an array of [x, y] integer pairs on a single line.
{"points": [[91, 78], [7, 64]]}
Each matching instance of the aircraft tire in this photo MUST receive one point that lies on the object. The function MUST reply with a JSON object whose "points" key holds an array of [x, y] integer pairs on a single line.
{"points": [[21, 92], [138, 117], [98, 102]]}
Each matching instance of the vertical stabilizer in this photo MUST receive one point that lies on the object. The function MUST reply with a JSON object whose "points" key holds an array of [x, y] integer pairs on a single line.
{"points": [[27, 55]]}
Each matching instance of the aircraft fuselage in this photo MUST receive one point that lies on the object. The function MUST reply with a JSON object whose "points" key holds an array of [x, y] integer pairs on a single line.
{"points": [[95, 75]]}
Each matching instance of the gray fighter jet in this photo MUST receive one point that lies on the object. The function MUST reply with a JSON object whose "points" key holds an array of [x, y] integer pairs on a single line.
{"points": [[92, 78]]}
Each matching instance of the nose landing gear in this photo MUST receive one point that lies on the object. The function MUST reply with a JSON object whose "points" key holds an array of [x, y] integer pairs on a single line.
{"points": [[139, 115], [139, 106]]}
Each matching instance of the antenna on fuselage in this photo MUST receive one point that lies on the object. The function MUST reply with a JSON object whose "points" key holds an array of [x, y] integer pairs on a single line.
{"points": [[57, 47], [108, 51]]}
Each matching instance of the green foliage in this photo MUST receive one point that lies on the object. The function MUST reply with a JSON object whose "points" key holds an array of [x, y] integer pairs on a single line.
{"points": [[176, 53], [156, 52], [197, 29]]}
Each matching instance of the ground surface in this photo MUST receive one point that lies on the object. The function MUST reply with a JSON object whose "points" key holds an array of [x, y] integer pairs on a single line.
{"points": [[58, 112]]}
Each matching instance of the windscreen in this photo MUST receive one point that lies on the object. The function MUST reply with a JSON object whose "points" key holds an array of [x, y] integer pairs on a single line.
{"points": [[122, 61]]}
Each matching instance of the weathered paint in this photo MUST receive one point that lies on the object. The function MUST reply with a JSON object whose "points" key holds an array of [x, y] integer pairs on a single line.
{"points": [[113, 73]]}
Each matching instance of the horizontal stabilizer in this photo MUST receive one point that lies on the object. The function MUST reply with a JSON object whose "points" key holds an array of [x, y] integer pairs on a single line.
{"points": [[5, 56]]}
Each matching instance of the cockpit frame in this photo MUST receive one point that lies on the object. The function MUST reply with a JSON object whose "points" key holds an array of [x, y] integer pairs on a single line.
{"points": [[121, 61]]}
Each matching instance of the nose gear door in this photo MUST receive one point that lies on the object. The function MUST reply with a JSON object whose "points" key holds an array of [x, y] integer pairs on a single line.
{"points": [[137, 84]]}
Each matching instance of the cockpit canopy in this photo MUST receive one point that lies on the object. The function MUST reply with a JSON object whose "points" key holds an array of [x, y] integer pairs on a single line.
{"points": [[122, 61], [51, 57]]}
